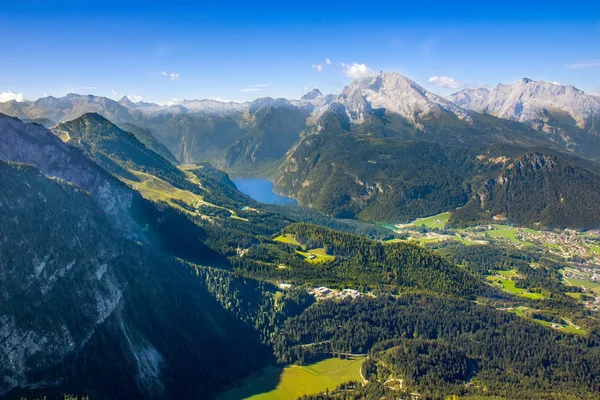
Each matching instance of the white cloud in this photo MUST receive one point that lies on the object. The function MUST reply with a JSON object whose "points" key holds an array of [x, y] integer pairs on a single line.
{"points": [[8, 96], [251, 89], [327, 61], [173, 76], [355, 70], [114, 94], [445, 81], [174, 101], [261, 85], [318, 67], [87, 88], [585, 65]]}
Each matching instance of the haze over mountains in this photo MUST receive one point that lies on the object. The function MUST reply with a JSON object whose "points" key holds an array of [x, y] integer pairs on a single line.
{"points": [[390, 149]]}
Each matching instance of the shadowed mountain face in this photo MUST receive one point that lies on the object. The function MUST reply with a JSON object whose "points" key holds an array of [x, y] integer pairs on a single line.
{"points": [[35, 145], [131, 214], [87, 311]]}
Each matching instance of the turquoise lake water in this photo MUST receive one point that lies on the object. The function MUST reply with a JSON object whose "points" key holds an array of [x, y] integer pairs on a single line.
{"points": [[262, 190]]}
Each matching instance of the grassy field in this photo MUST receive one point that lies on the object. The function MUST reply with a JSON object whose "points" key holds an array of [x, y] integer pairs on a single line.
{"points": [[594, 286], [575, 295], [291, 382], [532, 231], [506, 232], [319, 255], [436, 221], [287, 238], [566, 327], [156, 189], [508, 285], [595, 249], [508, 273]]}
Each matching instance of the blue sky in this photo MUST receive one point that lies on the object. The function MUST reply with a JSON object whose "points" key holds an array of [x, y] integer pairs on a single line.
{"points": [[176, 50]]}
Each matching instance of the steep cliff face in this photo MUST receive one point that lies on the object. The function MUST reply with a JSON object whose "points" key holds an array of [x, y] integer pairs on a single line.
{"points": [[60, 271], [33, 144], [87, 311]]}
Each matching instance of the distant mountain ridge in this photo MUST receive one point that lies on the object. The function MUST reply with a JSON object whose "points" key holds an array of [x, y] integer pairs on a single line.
{"points": [[566, 114], [311, 146]]}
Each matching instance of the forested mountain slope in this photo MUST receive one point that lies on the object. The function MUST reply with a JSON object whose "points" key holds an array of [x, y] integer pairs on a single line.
{"points": [[87, 311]]}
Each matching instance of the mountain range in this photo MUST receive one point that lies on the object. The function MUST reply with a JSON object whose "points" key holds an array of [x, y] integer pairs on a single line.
{"points": [[131, 266], [566, 114], [388, 149]]}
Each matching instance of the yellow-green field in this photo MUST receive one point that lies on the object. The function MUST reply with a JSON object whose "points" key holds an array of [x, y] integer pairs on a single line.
{"points": [[156, 189], [532, 231], [316, 255], [508, 273], [593, 286], [436, 221], [287, 238], [595, 249], [506, 232], [312, 255], [291, 382], [508, 285]]}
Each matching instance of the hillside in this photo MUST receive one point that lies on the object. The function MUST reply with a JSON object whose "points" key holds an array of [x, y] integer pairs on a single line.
{"points": [[86, 311], [440, 346], [147, 138], [537, 189], [347, 259], [114, 149], [129, 212]]}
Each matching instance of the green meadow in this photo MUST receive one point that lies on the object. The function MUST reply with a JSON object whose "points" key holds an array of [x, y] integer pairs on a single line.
{"points": [[294, 381], [287, 238], [436, 221], [312, 256], [508, 285]]}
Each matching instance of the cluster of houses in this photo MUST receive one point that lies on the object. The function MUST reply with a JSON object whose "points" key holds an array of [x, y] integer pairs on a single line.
{"points": [[324, 293], [593, 304], [587, 274]]}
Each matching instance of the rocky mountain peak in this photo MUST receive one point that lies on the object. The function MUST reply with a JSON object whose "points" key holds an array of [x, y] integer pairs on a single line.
{"points": [[313, 94], [393, 92], [126, 102], [526, 100]]}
